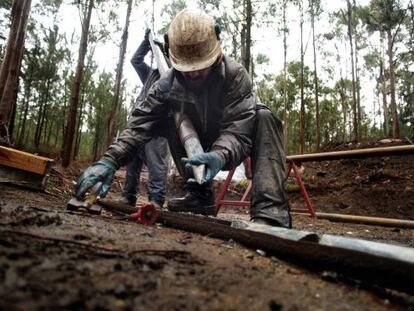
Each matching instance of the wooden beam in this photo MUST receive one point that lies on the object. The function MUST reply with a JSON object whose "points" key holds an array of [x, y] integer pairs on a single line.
{"points": [[25, 161], [14, 176]]}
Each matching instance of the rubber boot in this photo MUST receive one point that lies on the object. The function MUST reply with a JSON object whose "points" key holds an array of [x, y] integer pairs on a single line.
{"points": [[199, 199]]}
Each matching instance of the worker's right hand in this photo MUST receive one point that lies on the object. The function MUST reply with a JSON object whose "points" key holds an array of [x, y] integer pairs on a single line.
{"points": [[103, 171]]}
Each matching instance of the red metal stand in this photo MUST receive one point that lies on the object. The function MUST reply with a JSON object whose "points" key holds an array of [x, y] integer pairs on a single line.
{"points": [[223, 189], [220, 201], [298, 178]]}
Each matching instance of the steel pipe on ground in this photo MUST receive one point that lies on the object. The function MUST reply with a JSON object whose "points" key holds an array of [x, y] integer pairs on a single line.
{"points": [[388, 222]]}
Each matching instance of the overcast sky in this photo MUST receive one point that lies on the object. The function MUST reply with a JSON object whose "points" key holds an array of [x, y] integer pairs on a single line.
{"points": [[266, 41]]}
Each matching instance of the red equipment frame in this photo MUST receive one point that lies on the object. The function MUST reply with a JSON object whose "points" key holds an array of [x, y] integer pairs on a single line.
{"points": [[220, 201]]}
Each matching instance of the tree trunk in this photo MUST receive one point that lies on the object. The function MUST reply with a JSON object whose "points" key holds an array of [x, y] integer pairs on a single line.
{"points": [[112, 117], [394, 111], [357, 80], [343, 96], [354, 101], [302, 91], [16, 14], [316, 83], [246, 56], [12, 70], [383, 88], [74, 102], [79, 127], [25, 108], [46, 106], [39, 118], [285, 93], [95, 148]]}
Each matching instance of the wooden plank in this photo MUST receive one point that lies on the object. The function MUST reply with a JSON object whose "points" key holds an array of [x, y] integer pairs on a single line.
{"points": [[348, 154], [14, 176], [25, 161]]}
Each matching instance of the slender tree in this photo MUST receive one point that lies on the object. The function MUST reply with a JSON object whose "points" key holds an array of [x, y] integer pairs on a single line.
{"points": [[387, 16], [246, 40], [122, 50], [74, 103], [11, 67], [314, 10], [349, 17], [285, 89], [302, 91]]}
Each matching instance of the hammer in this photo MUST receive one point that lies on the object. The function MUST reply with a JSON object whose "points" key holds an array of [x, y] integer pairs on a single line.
{"points": [[90, 202]]}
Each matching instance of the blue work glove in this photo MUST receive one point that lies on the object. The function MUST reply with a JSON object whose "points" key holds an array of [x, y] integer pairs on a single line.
{"points": [[102, 171], [213, 161]]}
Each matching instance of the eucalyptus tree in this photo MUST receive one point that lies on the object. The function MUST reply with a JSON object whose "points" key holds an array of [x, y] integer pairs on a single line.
{"points": [[349, 17], [275, 16], [122, 50], [387, 16], [301, 82], [169, 10], [314, 11], [271, 92], [74, 100], [10, 68]]}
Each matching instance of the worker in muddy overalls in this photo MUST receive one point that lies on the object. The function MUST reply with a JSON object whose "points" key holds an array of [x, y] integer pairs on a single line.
{"points": [[155, 151], [216, 93]]}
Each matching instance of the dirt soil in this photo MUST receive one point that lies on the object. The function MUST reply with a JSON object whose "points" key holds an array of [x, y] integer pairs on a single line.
{"points": [[51, 259]]}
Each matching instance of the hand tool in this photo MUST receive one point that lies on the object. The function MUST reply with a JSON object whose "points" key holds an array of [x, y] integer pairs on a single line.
{"points": [[90, 202]]}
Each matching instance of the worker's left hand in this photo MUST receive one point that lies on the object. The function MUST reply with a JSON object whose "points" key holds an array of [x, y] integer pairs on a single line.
{"points": [[213, 161], [101, 171]]}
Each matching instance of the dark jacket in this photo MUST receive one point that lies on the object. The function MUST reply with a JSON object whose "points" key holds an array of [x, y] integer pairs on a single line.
{"points": [[146, 74], [223, 113]]}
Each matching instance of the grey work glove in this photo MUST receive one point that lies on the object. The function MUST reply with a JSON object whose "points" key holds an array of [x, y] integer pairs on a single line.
{"points": [[100, 171]]}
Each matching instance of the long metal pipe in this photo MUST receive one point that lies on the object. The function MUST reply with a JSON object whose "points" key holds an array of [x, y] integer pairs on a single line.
{"points": [[188, 135], [390, 266], [388, 222], [348, 154]]}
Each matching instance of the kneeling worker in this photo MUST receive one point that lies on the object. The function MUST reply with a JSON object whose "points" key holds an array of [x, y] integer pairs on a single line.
{"points": [[216, 94]]}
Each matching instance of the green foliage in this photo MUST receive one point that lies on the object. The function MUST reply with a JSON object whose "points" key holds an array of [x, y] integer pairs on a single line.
{"points": [[50, 58]]}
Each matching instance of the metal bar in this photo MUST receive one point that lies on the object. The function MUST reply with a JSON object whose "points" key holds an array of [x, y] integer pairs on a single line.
{"points": [[381, 264], [248, 190], [235, 203], [223, 189], [380, 221], [301, 184], [348, 154]]}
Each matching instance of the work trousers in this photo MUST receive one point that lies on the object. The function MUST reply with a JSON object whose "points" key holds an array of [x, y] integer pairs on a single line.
{"points": [[155, 158], [268, 158]]}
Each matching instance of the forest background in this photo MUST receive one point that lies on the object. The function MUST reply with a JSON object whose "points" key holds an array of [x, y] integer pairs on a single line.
{"points": [[333, 71]]}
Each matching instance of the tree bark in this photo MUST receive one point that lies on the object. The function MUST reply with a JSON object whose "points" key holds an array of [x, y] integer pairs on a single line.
{"points": [[74, 102], [354, 101], [25, 110], [247, 4], [12, 70], [302, 91], [16, 14], [394, 111], [316, 83], [115, 102], [383, 88], [357, 81], [79, 126], [285, 93]]}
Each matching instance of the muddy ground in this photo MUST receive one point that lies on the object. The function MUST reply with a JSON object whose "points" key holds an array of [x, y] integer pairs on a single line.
{"points": [[51, 259]]}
